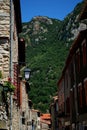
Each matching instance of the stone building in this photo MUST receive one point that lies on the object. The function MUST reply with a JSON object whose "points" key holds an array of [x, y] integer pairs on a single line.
{"points": [[10, 27], [72, 86], [54, 108], [24, 107], [35, 118], [9, 15], [45, 121]]}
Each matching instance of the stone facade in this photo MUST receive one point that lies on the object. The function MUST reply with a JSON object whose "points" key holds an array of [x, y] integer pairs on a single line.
{"points": [[9, 56], [24, 107], [4, 18], [4, 57], [4, 37], [5, 32], [16, 117], [34, 119]]}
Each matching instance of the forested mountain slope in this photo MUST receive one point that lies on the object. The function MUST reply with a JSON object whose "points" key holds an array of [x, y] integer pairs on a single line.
{"points": [[47, 45]]}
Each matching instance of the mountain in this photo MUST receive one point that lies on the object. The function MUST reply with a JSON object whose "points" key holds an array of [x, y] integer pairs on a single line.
{"points": [[48, 42]]}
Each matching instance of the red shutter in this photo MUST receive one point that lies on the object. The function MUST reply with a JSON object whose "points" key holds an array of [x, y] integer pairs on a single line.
{"points": [[15, 80]]}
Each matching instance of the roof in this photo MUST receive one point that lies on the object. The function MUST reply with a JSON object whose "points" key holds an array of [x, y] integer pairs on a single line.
{"points": [[34, 110], [46, 122], [45, 116], [61, 78], [55, 98], [17, 9]]}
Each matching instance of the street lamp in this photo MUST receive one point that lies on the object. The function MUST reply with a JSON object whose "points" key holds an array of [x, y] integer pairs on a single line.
{"points": [[25, 112], [27, 73]]}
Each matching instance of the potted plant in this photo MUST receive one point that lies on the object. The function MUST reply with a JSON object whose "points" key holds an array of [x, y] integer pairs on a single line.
{"points": [[9, 86]]}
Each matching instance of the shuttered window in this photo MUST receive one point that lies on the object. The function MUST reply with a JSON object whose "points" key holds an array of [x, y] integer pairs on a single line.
{"points": [[80, 94], [78, 66], [68, 105], [85, 87], [84, 52]]}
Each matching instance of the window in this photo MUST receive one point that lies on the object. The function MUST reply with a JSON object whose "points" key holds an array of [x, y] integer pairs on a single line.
{"points": [[72, 73], [85, 87], [23, 121], [68, 105], [78, 60], [56, 106], [80, 94]]}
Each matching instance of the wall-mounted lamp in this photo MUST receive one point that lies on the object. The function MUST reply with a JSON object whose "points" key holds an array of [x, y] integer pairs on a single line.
{"points": [[27, 73]]}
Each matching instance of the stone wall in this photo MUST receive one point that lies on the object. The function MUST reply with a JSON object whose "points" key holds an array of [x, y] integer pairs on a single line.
{"points": [[15, 117], [4, 18], [3, 117], [24, 106], [5, 37], [5, 56]]}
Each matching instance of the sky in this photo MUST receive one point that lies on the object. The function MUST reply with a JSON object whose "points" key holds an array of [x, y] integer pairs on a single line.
{"points": [[57, 9]]}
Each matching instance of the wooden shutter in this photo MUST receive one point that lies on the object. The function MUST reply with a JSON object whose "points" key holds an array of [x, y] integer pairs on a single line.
{"points": [[80, 94], [85, 87], [84, 52]]}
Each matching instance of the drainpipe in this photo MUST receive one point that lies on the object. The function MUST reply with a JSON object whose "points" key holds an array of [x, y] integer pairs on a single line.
{"points": [[11, 65]]}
